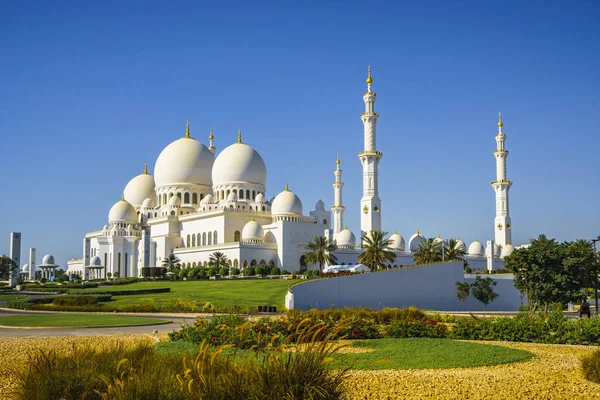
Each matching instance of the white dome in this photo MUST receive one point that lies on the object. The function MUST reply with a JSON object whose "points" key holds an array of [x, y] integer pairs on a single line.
{"points": [[185, 161], [414, 242], [286, 203], [148, 203], [175, 201], [25, 268], [260, 198], [497, 250], [460, 245], [320, 206], [96, 261], [439, 241], [48, 259], [207, 199], [232, 196], [397, 242], [345, 238], [253, 231], [122, 211], [140, 188], [507, 250], [239, 163], [476, 249]]}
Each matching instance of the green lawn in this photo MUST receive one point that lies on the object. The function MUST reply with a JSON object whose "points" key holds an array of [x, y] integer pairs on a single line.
{"points": [[424, 353], [75, 320], [12, 296], [243, 293]]}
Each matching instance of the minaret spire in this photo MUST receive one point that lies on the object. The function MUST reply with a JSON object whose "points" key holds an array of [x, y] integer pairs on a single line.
{"points": [[146, 168], [502, 222], [370, 204], [210, 141], [187, 129], [338, 208], [239, 135]]}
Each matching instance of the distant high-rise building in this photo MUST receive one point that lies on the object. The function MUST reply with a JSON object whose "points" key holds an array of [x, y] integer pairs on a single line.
{"points": [[15, 255]]}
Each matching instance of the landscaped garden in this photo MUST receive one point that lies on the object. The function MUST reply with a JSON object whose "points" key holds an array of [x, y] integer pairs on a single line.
{"points": [[75, 320]]}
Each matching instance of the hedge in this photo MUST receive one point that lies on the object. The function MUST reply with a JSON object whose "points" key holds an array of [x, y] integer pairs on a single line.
{"points": [[121, 292]]}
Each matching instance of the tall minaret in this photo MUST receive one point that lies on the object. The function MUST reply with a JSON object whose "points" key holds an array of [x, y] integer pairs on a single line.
{"points": [[210, 141], [338, 209], [370, 204], [502, 224]]}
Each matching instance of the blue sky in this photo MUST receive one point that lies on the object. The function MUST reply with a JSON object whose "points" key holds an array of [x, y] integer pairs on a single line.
{"points": [[89, 92]]}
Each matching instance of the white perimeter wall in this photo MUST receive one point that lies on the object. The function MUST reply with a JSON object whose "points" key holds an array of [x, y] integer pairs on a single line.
{"points": [[427, 287]]}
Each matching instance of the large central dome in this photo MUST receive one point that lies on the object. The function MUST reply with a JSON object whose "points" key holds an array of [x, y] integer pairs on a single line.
{"points": [[239, 163], [185, 161]]}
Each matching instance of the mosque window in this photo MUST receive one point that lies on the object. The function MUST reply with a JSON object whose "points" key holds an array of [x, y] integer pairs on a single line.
{"points": [[263, 208], [164, 198], [173, 213], [201, 196], [222, 195], [194, 264], [179, 195], [188, 241], [186, 198], [189, 265], [170, 195], [241, 194], [198, 239], [235, 191], [236, 236], [209, 238], [248, 194], [204, 239], [231, 208], [215, 237], [245, 263], [253, 262], [253, 195], [235, 263], [324, 221], [154, 215], [194, 198]]}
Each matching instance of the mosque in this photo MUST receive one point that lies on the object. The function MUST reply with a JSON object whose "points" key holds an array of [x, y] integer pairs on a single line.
{"points": [[197, 204]]}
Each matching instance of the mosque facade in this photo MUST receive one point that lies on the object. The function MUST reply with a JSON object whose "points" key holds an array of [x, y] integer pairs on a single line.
{"points": [[197, 204]]}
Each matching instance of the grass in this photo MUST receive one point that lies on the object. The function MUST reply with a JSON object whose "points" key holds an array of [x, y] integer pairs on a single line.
{"points": [[12, 296], [424, 353], [74, 320], [244, 293]]}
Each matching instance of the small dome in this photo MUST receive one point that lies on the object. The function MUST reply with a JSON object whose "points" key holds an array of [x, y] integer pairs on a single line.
{"points": [[25, 268], [497, 250], [439, 241], [232, 196], [239, 163], [476, 249], [286, 203], [139, 188], [460, 245], [184, 161], [208, 199], [96, 261], [320, 206], [260, 198], [507, 250], [414, 241], [122, 211], [345, 238], [148, 203], [175, 201], [397, 242], [253, 231], [48, 259]]}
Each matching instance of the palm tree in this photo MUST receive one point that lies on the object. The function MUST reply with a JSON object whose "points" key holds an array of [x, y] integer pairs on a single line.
{"points": [[218, 260], [376, 250], [429, 252], [172, 263], [320, 252], [454, 253]]}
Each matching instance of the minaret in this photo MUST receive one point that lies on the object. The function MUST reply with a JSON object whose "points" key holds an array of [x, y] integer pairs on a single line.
{"points": [[210, 141], [370, 204], [502, 224], [338, 209]]}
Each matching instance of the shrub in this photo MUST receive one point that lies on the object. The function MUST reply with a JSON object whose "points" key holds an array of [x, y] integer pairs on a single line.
{"points": [[285, 272], [79, 300], [590, 366], [202, 274], [261, 270], [250, 271], [208, 308], [297, 272], [235, 271], [223, 271], [145, 272], [275, 271], [211, 272], [416, 328]]}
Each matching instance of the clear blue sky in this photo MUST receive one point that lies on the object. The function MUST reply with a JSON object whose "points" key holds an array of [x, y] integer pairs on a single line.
{"points": [[89, 92]]}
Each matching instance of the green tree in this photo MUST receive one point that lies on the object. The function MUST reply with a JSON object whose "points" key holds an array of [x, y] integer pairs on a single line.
{"points": [[249, 271], [463, 290], [430, 251], [320, 251], [7, 267], [483, 290], [454, 253], [172, 263], [218, 260], [376, 250], [303, 265]]}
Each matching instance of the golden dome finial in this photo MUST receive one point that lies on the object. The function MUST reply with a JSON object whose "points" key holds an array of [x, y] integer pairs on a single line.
{"points": [[369, 79], [146, 168], [500, 124], [122, 196], [253, 218], [239, 135], [418, 233], [187, 129], [287, 188], [211, 137], [396, 231], [337, 160]]}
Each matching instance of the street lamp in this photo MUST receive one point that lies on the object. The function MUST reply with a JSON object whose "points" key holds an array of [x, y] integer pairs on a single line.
{"points": [[596, 272]]}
